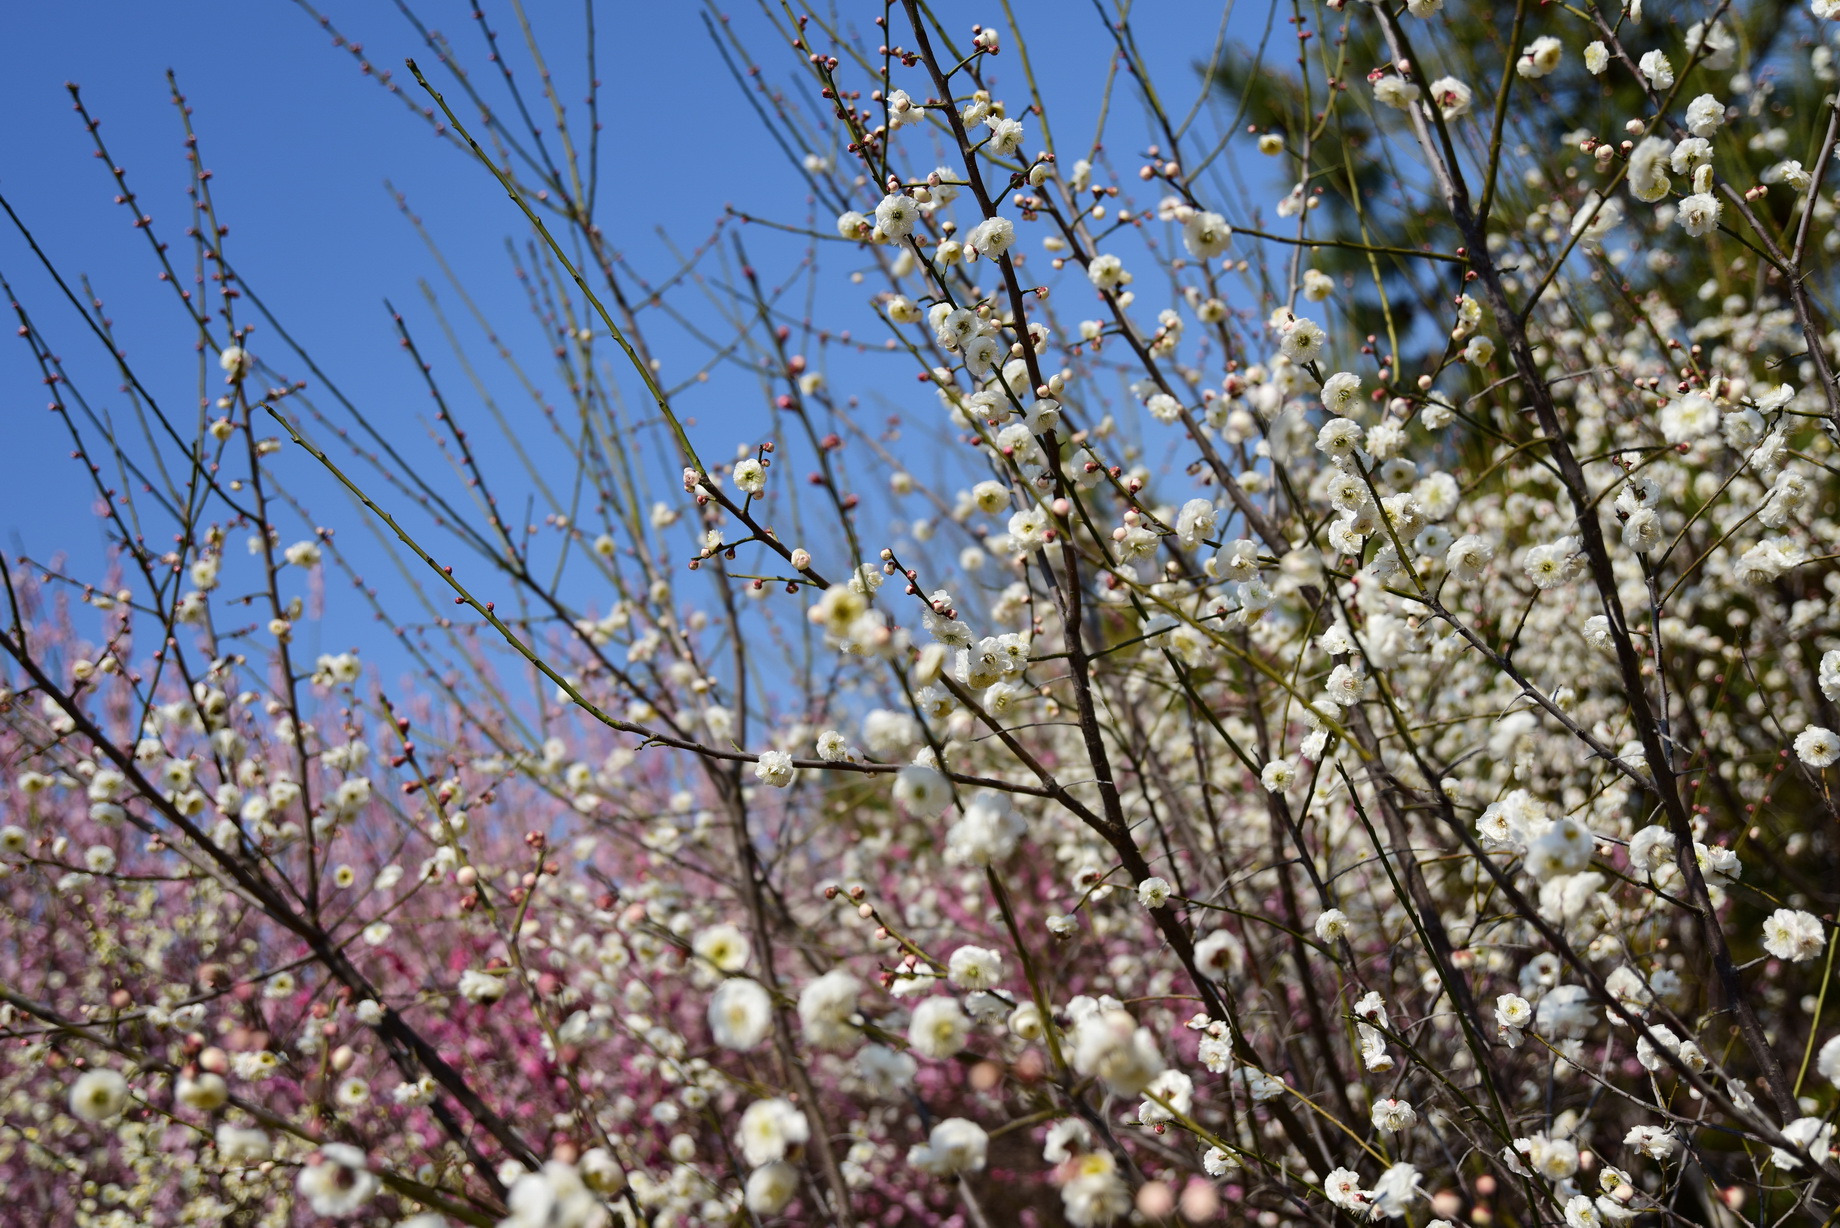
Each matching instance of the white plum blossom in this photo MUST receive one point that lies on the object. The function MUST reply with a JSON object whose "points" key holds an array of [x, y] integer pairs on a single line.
{"points": [[750, 476], [770, 1188], [921, 789], [1170, 1094], [992, 237], [939, 1028], [1551, 564], [203, 1091], [775, 768], [1656, 67], [1278, 775], [885, 1072], [241, 1145], [1811, 1135], [1196, 523], [1656, 1142], [1153, 892], [1111, 1047], [1395, 1191], [304, 554], [554, 1196], [1339, 439], [896, 216], [1794, 935], [339, 1183], [482, 987], [1343, 1188], [1540, 57], [1341, 393], [724, 948], [1699, 214], [770, 1129], [1332, 925], [1206, 235], [1451, 97], [740, 1014], [1828, 1063], [1817, 747], [955, 1145], [1396, 92], [1107, 272], [1467, 556], [1648, 179], [827, 1008], [987, 833], [1705, 115], [98, 1095], [1005, 136], [1303, 340], [975, 968]]}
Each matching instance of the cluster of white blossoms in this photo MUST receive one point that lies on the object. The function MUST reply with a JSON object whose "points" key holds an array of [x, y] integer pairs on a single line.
{"points": [[1431, 556], [1344, 735]]}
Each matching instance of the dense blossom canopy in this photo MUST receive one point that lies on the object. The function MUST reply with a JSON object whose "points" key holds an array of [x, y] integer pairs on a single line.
{"points": [[1314, 709]]}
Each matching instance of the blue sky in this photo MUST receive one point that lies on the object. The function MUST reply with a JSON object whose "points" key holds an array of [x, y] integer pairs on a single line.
{"points": [[301, 144]]}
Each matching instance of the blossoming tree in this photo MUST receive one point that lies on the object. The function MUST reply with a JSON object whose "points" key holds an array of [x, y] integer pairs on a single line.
{"points": [[1342, 735]]}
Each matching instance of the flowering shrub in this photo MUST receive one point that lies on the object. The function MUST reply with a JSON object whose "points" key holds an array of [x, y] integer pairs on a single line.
{"points": [[1343, 736]]}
